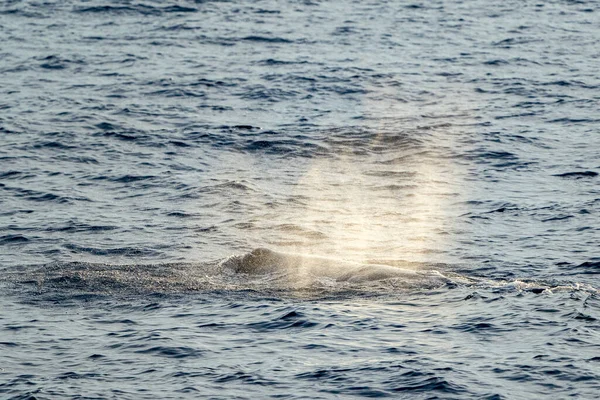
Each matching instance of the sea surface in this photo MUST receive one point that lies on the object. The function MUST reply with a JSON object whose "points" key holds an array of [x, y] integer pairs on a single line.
{"points": [[299, 199]]}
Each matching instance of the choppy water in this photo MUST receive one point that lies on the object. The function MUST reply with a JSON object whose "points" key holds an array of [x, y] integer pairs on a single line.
{"points": [[424, 175]]}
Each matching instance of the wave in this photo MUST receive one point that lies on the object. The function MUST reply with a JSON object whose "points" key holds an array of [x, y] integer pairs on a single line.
{"points": [[578, 174], [142, 9]]}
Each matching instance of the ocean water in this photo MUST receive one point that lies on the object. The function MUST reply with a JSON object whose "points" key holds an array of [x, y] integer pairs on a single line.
{"points": [[299, 199]]}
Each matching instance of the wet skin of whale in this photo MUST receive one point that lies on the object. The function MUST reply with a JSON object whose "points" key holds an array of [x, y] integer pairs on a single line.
{"points": [[263, 261]]}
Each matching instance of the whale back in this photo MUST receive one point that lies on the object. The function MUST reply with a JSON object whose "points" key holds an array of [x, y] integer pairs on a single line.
{"points": [[259, 270], [258, 261], [261, 262]]}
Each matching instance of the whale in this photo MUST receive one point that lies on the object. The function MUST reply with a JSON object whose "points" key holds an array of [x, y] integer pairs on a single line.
{"points": [[262, 261], [260, 270]]}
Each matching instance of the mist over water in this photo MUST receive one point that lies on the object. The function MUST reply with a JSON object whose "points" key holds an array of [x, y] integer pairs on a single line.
{"points": [[299, 199]]}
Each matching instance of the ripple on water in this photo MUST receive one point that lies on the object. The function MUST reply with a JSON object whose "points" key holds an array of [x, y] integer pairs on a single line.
{"points": [[430, 201]]}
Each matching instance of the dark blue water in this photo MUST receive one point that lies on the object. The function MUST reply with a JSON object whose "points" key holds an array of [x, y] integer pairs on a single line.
{"points": [[425, 177]]}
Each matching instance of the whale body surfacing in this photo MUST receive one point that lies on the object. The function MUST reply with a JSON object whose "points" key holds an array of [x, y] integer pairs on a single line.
{"points": [[261, 261]]}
